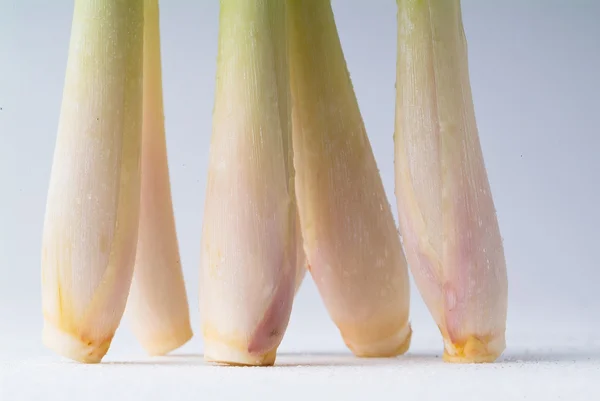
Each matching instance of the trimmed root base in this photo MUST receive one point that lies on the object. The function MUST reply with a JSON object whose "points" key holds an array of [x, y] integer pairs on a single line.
{"points": [[72, 347], [221, 353], [473, 350], [389, 347]]}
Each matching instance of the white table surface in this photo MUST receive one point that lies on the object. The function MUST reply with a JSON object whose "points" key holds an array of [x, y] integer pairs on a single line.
{"points": [[555, 367]]}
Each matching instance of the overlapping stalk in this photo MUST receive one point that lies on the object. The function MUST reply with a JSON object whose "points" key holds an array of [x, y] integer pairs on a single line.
{"points": [[350, 238], [157, 305]]}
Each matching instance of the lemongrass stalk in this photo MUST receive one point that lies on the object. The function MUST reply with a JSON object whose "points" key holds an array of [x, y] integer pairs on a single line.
{"points": [[446, 211], [301, 263], [158, 305], [248, 275], [350, 238], [91, 221]]}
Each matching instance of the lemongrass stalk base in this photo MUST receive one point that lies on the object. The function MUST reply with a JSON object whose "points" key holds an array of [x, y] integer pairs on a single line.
{"points": [[159, 344], [394, 345], [473, 350], [223, 353], [72, 347]]}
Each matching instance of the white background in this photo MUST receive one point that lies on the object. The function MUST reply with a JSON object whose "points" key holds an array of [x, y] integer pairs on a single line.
{"points": [[535, 76]]}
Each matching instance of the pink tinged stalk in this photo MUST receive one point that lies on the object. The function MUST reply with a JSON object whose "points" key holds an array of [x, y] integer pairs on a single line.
{"points": [[249, 242], [350, 238], [91, 222], [446, 210], [157, 305]]}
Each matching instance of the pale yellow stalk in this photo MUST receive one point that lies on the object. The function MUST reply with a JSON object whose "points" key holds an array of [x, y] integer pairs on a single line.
{"points": [[350, 238], [158, 305], [91, 222], [446, 211], [248, 275]]}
